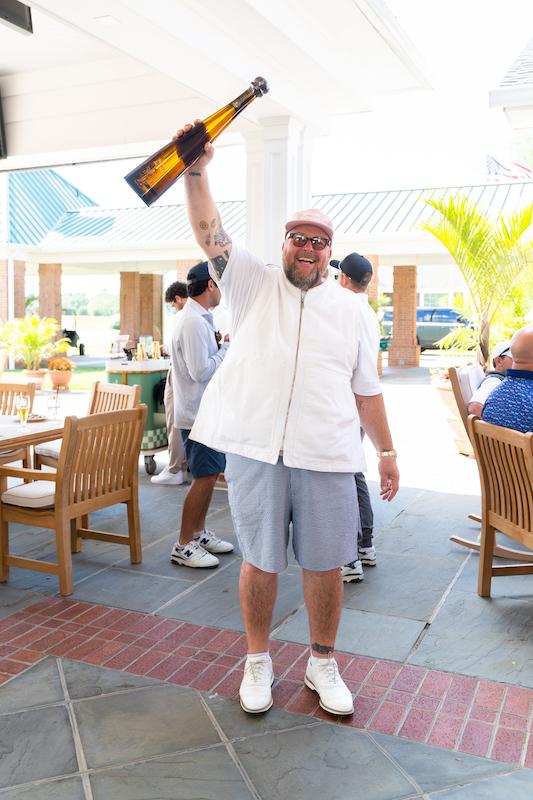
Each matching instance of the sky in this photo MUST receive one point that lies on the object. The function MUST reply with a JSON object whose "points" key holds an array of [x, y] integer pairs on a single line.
{"points": [[437, 137]]}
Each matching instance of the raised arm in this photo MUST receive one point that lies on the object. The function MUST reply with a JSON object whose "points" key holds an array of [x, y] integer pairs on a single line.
{"points": [[203, 214]]}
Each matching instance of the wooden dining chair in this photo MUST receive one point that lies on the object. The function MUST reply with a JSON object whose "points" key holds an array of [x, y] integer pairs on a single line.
{"points": [[104, 397], [8, 398], [464, 382], [505, 463], [97, 468]]}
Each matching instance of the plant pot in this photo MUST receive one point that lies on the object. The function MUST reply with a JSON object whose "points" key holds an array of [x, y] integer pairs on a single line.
{"points": [[60, 378], [37, 376]]}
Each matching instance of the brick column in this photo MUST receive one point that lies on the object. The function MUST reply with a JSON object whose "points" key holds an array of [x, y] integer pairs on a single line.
{"points": [[50, 291], [404, 351], [20, 288], [130, 304], [19, 271], [373, 290], [183, 265], [151, 322]]}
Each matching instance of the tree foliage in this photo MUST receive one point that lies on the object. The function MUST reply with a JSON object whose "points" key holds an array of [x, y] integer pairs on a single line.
{"points": [[492, 255]]}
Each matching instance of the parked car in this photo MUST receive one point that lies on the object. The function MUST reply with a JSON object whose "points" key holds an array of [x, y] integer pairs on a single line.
{"points": [[431, 324]]}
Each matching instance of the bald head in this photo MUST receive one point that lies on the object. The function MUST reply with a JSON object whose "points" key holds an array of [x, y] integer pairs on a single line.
{"points": [[522, 348]]}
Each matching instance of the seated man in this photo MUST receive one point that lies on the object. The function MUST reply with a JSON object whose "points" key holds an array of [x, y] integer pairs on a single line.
{"points": [[501, 361], [511, 403]]}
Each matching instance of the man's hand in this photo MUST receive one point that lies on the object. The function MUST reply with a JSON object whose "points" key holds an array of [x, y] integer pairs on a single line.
{"points": [[390, 477], [209, 150]]}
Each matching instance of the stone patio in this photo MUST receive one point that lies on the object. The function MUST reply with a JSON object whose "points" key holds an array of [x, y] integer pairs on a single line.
{"points": [[443, 680]]}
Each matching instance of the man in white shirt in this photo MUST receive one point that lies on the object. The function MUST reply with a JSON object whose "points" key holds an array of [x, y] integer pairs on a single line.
{"points": [[196, 355], [355, 275], [174, 473], [502, 360], [282, 408]]}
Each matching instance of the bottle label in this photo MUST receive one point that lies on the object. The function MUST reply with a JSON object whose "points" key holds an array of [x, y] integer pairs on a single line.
{"points": [[242, 100]]}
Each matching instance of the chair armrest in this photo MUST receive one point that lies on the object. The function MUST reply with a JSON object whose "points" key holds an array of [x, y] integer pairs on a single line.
{"points": [[31, 474]]}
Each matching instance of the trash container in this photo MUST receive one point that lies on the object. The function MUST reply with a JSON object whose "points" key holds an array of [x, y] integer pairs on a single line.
{"points": [[147, 374]]}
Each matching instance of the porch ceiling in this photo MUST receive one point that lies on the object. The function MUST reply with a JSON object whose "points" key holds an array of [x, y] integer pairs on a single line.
{"points": [[110, 78]]}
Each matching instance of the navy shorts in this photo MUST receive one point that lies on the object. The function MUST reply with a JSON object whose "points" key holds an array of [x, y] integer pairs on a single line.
{"points": [[201, 460]]}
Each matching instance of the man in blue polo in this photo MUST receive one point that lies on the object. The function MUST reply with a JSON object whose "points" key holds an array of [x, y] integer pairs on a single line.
{"points": [[511, 403]]}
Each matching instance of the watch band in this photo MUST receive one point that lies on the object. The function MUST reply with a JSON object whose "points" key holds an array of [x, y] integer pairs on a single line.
{"points": [[386, 453]]}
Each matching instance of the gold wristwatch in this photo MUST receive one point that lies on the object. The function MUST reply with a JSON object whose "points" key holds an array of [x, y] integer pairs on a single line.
{"points": [[386, 453]]}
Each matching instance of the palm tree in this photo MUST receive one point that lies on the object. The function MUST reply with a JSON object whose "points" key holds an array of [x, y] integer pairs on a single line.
{"points": [[492, 254]]}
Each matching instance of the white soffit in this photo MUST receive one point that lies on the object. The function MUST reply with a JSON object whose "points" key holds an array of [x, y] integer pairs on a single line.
{"points": [[109, 78]]}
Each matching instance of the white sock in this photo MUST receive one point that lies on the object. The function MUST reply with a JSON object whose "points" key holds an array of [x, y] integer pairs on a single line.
{"points": [[257, 656], [314, 659], [199, 533]]}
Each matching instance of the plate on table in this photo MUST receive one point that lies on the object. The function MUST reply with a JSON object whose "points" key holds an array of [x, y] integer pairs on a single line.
{"points": [[32, 418]]}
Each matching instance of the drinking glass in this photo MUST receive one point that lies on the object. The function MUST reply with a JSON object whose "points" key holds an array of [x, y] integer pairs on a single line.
{"points": [[23, 409], [52, 405]]}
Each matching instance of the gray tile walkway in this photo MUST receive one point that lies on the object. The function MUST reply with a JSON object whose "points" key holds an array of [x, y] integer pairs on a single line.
{"points": [[406, 609], [100, 734]]}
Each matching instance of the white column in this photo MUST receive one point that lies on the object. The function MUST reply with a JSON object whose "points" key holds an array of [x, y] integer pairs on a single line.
{"points": [[278, 182]]}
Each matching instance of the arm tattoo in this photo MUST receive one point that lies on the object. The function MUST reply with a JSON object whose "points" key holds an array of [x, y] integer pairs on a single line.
{"points": [[220, 263], [221, 237], [195, 174], [323, 649]]}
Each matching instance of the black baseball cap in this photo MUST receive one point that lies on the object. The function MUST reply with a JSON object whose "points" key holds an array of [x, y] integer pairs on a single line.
{"points": [[200, 272], [355, 266]]}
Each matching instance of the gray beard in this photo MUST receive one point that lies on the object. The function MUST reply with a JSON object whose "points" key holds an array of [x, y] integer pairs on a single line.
{"points": [[300, 281]]}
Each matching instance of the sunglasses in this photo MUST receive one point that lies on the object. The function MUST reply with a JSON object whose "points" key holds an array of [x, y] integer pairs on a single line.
{"points": [[317, 242]]}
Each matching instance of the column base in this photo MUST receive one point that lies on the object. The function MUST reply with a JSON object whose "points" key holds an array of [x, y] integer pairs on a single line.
{"points": [[404, 355]]}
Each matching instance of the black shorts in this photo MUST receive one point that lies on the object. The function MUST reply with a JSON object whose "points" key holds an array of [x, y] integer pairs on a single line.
{"points": [[202, 460]]}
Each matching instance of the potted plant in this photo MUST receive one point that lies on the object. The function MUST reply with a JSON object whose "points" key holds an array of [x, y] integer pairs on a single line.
{"points": [[33, 340], [60, 370]]}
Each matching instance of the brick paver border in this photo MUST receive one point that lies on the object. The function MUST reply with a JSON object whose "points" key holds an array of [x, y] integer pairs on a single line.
{"points": [[456, 712]]}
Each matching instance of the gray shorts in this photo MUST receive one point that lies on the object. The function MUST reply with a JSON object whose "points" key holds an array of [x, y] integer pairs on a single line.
{"points": [[322, 506]]}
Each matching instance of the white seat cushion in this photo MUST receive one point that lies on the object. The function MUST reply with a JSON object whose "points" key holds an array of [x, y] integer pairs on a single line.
{"points": [[50, 449], [37, 494]]}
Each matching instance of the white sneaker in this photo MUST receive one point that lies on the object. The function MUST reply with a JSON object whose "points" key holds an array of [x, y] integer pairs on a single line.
{"points": [[323, 677], [353, 573], [168, 478], [192, 555], [367, 556], [212, 543], [255, 692]]}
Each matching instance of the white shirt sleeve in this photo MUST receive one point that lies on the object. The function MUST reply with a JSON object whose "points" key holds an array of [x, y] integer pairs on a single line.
{"points": [[484, 389], [240, 283], [365, 379], [195, 345]]}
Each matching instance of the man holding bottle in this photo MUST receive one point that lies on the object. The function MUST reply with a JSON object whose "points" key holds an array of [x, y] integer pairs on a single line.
{"points": [[282, 409]]}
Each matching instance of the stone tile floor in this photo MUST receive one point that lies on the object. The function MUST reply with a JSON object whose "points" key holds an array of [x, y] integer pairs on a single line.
{"points": [[443, 680], [455, 712], [76, 731]]}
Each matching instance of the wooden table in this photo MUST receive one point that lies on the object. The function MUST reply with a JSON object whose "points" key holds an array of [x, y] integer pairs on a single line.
{"points": [[12, 435]]}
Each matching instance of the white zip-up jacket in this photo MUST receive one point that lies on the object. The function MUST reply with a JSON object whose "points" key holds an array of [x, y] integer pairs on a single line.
{"points": [[287, 383]]}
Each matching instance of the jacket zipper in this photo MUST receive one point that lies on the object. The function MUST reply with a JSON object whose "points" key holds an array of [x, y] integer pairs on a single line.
{"points": [[302, 300]]}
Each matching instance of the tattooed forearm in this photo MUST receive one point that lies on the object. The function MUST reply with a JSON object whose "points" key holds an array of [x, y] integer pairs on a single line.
{"points": [[323, 649], [220, 263]]}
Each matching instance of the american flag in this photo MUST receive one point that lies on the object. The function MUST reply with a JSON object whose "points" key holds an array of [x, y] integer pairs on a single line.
{"points": [[512, 170]]}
